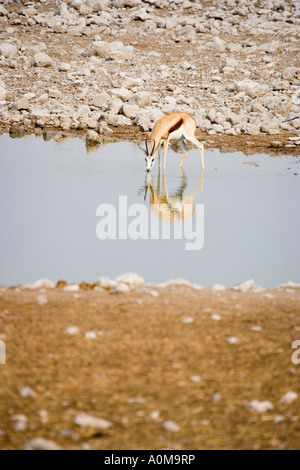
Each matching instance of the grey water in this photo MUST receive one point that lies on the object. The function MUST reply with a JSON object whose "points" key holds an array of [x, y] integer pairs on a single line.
{"points": [[50, 192]]}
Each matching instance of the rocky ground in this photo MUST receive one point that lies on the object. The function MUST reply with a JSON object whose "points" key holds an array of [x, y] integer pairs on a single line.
{"points": [[107, 69], [125, 365]]}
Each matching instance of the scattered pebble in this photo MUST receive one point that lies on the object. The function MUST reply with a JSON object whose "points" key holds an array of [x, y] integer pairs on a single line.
{"points": [[27, 392], [216, 397], [171, 426], [260, 406], [188, 320], [154, 293], [288, 398], [90, 335], [132, 280], [71, 330], [85, 420], [44, 416], [155, 415], [40, 443], [232, 340], [41, 284], [195, 378], [248, 286], [19, 422], [121, 288], [41, 300], [256, 328], [72, 288], [216, 317], [218, 287], [279, 419], [136, 400]]}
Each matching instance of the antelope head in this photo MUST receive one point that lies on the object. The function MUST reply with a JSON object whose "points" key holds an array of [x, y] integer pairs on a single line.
{"points": [[149, 158]]}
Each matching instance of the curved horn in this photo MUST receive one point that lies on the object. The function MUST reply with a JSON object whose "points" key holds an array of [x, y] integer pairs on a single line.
{"points": [[147, 147]]}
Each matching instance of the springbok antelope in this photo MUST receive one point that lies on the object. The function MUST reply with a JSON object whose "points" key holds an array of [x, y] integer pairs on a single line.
{"points": [[178, 126]]}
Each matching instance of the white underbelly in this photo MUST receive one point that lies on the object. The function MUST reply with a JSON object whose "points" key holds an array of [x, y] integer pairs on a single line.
{"points": [[177, 134]]}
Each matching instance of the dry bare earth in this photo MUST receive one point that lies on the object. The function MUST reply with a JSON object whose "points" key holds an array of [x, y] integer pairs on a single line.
{"points": [[175, 371]]}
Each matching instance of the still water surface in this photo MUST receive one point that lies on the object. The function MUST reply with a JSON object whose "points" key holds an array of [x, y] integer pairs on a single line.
{"points": [[50, 192]]}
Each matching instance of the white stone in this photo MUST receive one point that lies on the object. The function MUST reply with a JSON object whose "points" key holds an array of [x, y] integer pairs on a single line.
{"points": [[72, 288], [42, 60], [3, 11], [248, 286], [218, 287], [216, 317], [106, 283], [41, 284], [154, 293], [40, 443], [9, 51], [84, 420], [288, 398], [289, 285], [260, 406], [90, 335], [196, 378], [188, 320], [122, 93], [121, 287], [64, 67], [93, 137], [71, 330], [256, 328], [251, 88], [232, 340], [41, 300], [141, 99], [27, 392], [100, 99], [171, 426], [131, 279], [130, 111], [19, 422]]}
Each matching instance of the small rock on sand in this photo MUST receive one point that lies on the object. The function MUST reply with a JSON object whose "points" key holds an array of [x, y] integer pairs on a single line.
{"points": [[86, 420], [260, 406]]}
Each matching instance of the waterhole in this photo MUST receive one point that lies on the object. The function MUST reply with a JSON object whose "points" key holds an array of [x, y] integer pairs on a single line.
{"points": [[75, 215]]}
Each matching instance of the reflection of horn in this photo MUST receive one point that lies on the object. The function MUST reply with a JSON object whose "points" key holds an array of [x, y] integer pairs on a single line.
{"points": [[147, 147], [141, 148]]}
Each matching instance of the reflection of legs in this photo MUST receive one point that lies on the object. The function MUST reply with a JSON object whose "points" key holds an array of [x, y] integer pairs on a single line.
{"points": [[158, 174], [159, 153], [183, 186], [200, 147], [183, 158], [185, 149], [166, 142], [201, 179]]}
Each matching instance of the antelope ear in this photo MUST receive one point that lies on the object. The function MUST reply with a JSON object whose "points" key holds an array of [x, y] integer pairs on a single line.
{"points": [[143, 150]]}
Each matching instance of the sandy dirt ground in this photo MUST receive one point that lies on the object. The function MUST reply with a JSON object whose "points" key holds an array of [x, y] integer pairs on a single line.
{"points": [[177, 371]]}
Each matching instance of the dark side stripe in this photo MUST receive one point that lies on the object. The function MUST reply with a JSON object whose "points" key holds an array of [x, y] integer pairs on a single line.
{"points": [[176, 126]]}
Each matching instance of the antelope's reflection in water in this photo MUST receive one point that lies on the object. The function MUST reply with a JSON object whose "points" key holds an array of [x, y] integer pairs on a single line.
{"points": [[173, 207]]}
